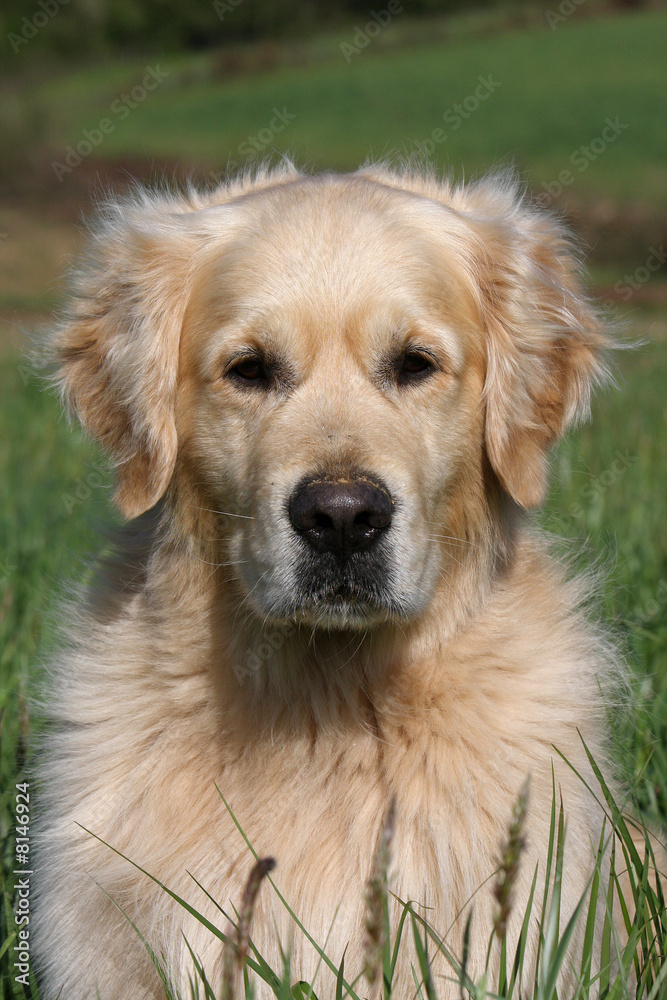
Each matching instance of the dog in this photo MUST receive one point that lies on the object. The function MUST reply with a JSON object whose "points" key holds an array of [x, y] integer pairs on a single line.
{"points": [[329, 401]]}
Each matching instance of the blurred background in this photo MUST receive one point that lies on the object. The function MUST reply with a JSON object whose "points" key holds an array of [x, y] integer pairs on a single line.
{"points": [[570, 93], [96, 92]]}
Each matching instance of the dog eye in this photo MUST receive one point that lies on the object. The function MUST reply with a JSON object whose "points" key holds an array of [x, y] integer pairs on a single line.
{"points": [[248, 369], [413, 366]]}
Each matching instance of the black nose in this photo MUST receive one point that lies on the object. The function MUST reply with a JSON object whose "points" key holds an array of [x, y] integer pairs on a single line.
{"points": [[342, 517]]}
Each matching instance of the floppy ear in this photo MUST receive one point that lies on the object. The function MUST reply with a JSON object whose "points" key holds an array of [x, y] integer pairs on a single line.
{"points": [[116, 353], [545, 345]]}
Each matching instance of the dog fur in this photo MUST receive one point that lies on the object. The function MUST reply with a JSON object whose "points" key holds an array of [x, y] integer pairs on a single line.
{"points": [[200, 657]]}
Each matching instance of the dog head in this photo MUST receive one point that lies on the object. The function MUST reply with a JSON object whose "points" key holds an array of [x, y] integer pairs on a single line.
{"points": [[348, 370]]}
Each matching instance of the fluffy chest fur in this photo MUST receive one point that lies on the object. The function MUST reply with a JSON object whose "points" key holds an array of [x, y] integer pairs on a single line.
{"points": [[450, 732]]}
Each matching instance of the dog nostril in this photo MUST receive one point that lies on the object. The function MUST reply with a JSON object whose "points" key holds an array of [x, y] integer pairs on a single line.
{"points": [[340, 517], [374, 518]]}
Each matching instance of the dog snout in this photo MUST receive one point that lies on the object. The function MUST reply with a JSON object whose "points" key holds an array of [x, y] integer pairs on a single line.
{"points": [[341, 516]]}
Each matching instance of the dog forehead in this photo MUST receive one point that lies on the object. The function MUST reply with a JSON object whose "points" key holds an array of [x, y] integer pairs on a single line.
{"points": [[344, 253], [335, 241]]}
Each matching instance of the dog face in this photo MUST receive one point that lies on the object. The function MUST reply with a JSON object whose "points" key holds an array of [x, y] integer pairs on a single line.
{"points": [[330, 391], [343, 368]]}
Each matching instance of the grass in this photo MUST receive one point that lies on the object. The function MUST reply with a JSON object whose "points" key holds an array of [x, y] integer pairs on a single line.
{"points": [[607, 498], [609, 492], [43, 529], [556, 89]]}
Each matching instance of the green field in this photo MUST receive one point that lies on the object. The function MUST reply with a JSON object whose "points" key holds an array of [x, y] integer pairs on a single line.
{"points": [[556, 89], [552, 93]]}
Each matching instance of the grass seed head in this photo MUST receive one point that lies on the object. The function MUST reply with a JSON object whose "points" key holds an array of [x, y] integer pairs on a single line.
{"points": [[236, 948], [376, 898], [510, 857]]}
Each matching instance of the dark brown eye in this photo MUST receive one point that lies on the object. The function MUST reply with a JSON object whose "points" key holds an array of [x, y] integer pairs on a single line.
{"points": [[248, 369], [413, 366]]}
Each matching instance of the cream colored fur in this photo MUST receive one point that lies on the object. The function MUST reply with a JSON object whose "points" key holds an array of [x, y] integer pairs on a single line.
{"points": [[179, 670]]}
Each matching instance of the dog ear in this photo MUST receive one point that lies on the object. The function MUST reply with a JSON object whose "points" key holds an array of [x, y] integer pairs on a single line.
{"points": [[116, 353], [545, 344]]}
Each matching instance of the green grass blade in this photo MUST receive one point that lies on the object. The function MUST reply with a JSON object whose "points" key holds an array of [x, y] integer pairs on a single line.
{"points": [[340, 978], [502, 971], [208, 992], [302, 991], [592, 916], [7, 944], [418, 991], [659, 990], [387, 963], [319, 960], [556, 960], [443, 949], [619, 822], [466, 952], [550, 849], [547, 875], [517, 968], [423, 959], [605, 948], [399, 936], [551, 932], [178, 899]]}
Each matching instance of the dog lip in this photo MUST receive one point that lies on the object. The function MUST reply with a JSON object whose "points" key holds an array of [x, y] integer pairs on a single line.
{"points": [[355, 598], [340, 595]]}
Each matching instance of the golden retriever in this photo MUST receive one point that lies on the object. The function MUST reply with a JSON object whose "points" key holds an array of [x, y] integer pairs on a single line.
{"points": [[329, 400]]}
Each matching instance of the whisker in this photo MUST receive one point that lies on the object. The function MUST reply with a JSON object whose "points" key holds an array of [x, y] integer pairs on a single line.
{"points": [[206, 562], [354, 653], [399, 626], [452, 538], [226, 513], [257, 583]]}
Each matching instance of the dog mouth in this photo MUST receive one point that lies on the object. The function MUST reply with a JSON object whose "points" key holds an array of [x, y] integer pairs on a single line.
{"points": [[330, 593]]}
